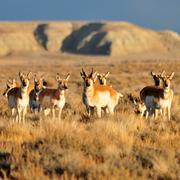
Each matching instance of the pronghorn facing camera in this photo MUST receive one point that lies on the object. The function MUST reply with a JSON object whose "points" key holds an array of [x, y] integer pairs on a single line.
{"points": [[18, 97], [158, 97], [98, 96], [39, 85], [103, 78], [54, 98]]}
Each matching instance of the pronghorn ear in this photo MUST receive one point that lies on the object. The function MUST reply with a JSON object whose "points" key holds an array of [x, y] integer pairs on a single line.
{"points": [[57, 77], [14, 82], [171, 76], [29, 75], [67, 77], [152, 73], [107, 74], [162, 74], [21, 74]]}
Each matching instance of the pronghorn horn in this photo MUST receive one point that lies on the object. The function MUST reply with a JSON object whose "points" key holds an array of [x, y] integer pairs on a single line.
{"points": [[152, 73], [91, 74], [67, 77], [83, 72], [29, 75], [171, 76], [107, 74]]}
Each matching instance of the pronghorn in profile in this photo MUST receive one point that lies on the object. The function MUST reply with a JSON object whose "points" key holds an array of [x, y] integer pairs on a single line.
{"points": [[98, 96], [156, 98], [18, 97], [103, 78], [140, 106], [54, 98], [39, 85]]}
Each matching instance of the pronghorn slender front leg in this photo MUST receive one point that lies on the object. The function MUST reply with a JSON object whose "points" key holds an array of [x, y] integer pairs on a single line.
{"points": [[23, 114], [59, 115], [169, 113], [19, 110], [53, 113], [99, 112]]}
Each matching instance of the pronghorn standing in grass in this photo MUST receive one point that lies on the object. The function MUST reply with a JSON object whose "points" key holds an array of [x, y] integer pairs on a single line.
{"points": [[98, 96], [102, 78], [39, 85], [54, 98], [18, 97], [156, 98], [140, 106]]}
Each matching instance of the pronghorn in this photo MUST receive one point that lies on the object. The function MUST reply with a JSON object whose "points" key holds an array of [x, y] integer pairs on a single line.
{"points": [[156, 97], [103, 78], [139, 104], [39, 85], [98, 96], [54, 98], [18, 97]]}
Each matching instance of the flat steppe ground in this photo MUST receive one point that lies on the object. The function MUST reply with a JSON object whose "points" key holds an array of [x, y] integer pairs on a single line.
{"points": [[77, 147]]}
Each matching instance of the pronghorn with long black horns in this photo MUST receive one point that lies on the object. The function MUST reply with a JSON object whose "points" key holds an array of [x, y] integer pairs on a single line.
{"points": [[98, 96], [54, 99], [158, 98]]}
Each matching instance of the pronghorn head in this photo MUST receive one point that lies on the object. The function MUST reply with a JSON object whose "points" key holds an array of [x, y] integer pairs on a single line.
{"points": [[90, 79], [62, 83], [39, 83], [25, 79], [103, 78], [167, 80], [157, 77], [9, 85], [139, 106]]}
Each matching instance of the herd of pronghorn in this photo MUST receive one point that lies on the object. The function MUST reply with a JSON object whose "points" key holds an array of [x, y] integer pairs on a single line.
{"points": [[96, 95]]}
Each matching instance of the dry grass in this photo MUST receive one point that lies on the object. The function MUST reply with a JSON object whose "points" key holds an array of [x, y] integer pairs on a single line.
{"points": [[119, 147]]}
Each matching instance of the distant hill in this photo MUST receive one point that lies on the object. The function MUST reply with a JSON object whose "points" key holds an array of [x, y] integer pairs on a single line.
{"points": [[99, 38]]}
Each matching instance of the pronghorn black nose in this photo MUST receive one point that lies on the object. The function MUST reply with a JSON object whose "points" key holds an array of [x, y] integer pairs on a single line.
{"points": [[24, 84], [65, 87]]}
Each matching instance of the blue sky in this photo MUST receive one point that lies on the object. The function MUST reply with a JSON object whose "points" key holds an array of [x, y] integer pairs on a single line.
{"points": [[156, 14]]}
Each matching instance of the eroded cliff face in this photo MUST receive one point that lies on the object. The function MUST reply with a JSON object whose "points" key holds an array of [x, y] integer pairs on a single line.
{"points": [[100, 38]]}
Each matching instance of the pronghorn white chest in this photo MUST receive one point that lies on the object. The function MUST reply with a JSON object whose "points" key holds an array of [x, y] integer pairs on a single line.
{"points": [[23, 100], [60, 102]]}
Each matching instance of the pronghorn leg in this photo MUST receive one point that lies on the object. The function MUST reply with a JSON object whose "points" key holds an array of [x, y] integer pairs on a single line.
{"points": [[92, 111], [13, 110], [99, 112], [59, 115], [88, 111], [155, 114], [169, 113], [53, 113], [164, 113], [19, 110], [111, 110], [24, 114], [147, 113]]}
